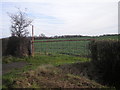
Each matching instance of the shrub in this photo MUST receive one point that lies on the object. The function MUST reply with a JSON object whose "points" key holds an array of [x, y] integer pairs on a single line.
{"points": [[106, 60], [4, 45], [18, 46]]}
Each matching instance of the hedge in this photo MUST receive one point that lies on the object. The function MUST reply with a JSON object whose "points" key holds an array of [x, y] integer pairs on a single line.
{"points": [[16, 46], [106, 61]]}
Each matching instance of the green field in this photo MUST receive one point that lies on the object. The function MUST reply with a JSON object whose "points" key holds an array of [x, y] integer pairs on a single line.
{"points": [[66, 47], [79, 48]]}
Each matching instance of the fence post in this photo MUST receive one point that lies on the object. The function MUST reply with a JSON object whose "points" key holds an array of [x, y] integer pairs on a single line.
{"points": [[32, 40]]}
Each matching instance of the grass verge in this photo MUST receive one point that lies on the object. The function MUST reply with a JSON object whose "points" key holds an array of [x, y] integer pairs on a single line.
{"points": [[34, 62]]}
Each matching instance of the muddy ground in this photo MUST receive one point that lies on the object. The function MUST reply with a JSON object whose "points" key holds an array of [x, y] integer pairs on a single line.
{"points": [[14, 65]]}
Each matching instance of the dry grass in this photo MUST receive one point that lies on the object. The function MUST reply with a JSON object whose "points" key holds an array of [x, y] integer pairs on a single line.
{"points": [[48, 76]]}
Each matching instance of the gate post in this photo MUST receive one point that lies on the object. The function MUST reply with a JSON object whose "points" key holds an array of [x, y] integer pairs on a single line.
{"points": [[32, 41]]}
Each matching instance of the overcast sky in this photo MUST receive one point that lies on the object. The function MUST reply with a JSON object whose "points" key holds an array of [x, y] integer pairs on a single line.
{"points": [[64, 17]]}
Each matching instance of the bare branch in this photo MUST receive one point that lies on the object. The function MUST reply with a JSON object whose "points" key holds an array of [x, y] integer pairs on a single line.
{"points": [[20, 22]]}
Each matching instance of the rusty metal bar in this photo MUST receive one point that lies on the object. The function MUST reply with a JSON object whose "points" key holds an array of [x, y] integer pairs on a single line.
{"points": [[65, 40]]}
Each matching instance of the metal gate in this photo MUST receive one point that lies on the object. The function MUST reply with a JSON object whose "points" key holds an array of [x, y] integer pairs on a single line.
{"points": [[74, 47], [69, 46]]}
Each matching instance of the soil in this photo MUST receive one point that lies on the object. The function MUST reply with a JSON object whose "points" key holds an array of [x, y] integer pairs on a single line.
{"points": [[14, 65]]}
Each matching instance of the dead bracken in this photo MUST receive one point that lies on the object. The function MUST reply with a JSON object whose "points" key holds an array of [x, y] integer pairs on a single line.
{"points": [[48, 76]]}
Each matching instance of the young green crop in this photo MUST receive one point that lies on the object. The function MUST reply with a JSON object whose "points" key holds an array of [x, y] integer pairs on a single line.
{"points": [[65, 47], [79, 48]]}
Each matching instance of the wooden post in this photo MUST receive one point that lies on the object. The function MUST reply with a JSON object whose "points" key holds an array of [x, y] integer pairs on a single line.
{"points": [[32, 40]]}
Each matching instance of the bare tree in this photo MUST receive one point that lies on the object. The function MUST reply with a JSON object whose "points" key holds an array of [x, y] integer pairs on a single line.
{"points": [[20, 22]]}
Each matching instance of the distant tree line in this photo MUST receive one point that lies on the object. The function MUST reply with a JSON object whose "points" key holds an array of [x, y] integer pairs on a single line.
{"points": [[55, 37], [43, 36]]}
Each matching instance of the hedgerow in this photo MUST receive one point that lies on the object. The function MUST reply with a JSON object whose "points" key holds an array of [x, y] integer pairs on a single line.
{"points": [[105, 56]]}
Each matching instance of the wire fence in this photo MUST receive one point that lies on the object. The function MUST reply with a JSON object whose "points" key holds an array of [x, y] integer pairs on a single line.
{"points": [[69, 47]]}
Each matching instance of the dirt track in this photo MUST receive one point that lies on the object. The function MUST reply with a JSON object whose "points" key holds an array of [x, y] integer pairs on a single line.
{"points": [[14, 65]]}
